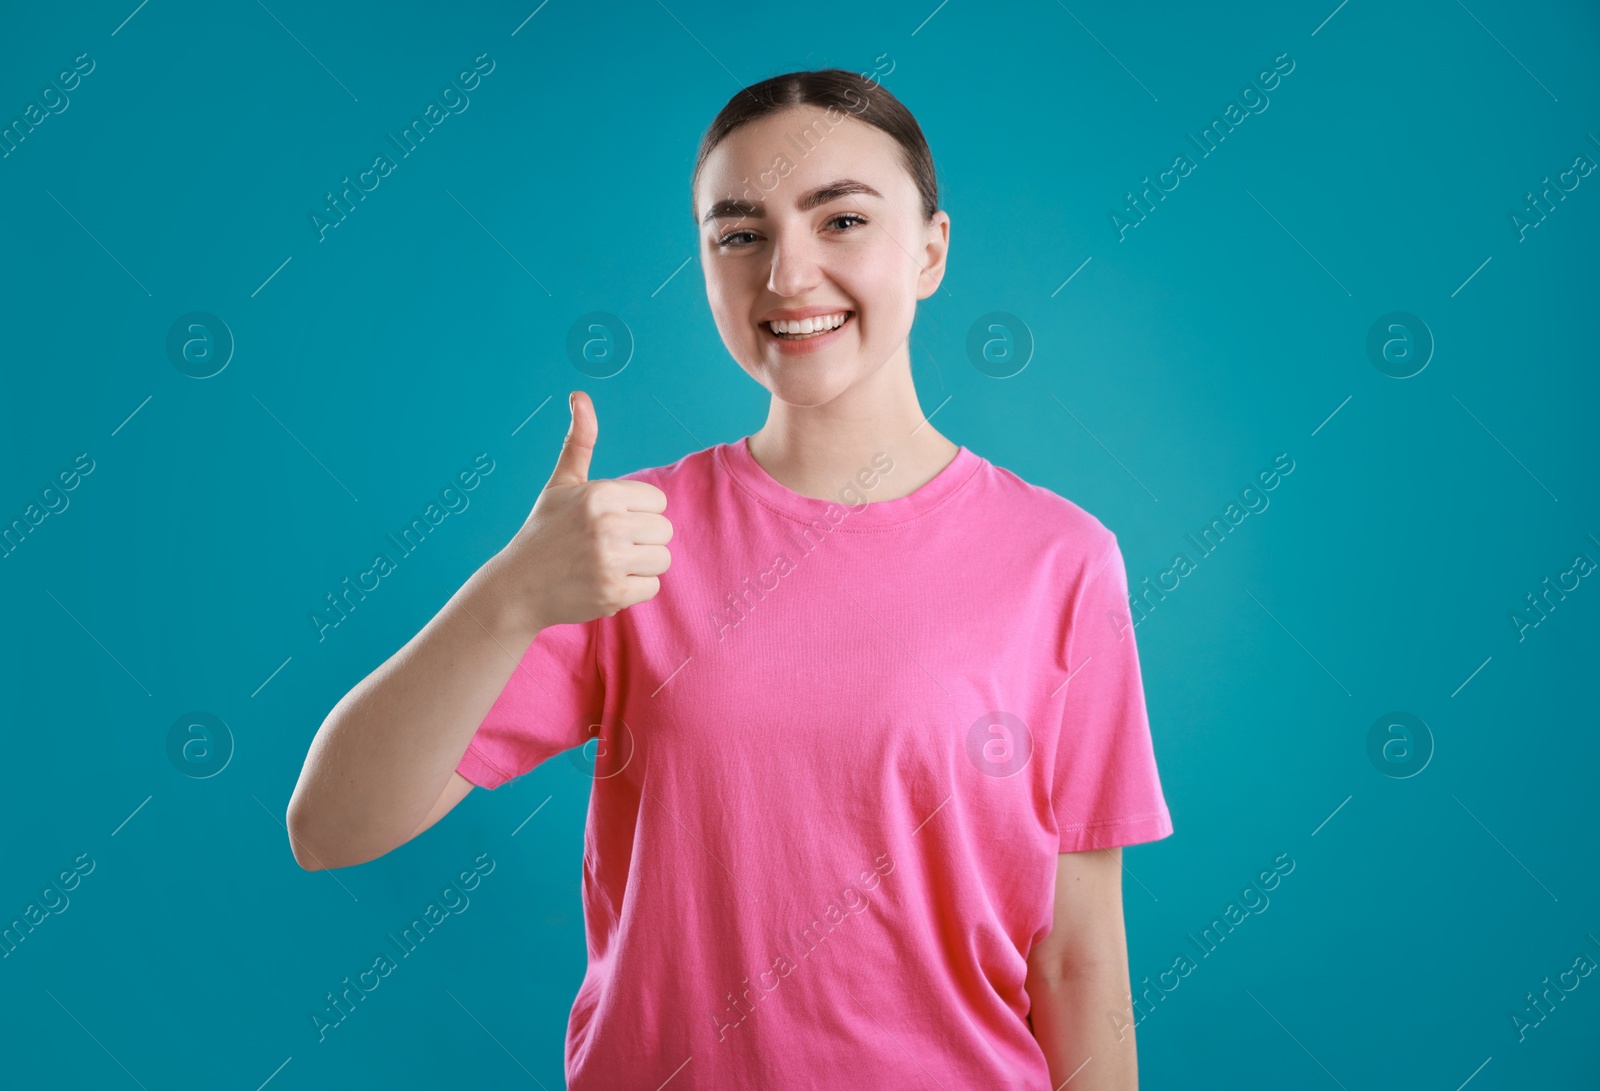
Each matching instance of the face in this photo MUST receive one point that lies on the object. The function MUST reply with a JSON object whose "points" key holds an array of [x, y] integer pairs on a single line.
{"points": [[785, 238]]}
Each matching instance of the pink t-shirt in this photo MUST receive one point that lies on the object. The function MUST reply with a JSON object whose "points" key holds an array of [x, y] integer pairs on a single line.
{"points": [[836, 758]]}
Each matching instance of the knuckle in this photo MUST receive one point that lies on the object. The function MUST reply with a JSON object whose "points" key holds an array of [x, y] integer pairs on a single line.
{"points": [[596, 498]]}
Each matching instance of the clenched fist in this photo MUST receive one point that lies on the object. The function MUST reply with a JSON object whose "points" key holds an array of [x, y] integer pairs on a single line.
{"points": [[588, 548]]}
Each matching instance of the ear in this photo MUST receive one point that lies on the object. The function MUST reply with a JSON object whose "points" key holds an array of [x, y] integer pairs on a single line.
{"points": [[936, 246]]}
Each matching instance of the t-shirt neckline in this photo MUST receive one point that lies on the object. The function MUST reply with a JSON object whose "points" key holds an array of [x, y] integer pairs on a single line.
{"points": [[848, 512]]}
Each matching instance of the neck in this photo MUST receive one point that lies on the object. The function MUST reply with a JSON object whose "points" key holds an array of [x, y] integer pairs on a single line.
{"points": [[814, 450]]}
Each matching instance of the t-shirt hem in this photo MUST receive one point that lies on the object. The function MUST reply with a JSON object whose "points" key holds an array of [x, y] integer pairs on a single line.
{"points": [[478, 768], [1132, 830]]}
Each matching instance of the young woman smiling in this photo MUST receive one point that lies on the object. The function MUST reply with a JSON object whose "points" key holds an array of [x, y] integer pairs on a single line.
{"points": [[868, 835]]}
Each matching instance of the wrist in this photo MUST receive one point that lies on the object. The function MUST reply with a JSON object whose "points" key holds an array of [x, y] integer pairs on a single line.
{"points": [[507, 617]]}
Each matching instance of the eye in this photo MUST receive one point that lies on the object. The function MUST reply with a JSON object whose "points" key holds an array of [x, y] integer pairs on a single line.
{"points": [[727, 240]]}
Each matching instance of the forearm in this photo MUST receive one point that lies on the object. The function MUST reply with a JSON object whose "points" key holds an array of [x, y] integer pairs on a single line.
{"points": [[1079, 1020], [387, 750]]}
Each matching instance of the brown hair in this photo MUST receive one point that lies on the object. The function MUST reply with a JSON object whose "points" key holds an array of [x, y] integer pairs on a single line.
{"points": [[842, 91]]}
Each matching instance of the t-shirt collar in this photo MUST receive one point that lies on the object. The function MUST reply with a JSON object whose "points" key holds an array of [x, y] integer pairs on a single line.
{"points": [[851, 509]]}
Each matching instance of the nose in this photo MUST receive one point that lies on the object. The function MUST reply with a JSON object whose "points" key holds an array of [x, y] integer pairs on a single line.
{"points": [[796, 267]]}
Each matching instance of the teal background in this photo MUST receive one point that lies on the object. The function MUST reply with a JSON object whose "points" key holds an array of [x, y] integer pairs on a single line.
{"points": [[1173, 366]]}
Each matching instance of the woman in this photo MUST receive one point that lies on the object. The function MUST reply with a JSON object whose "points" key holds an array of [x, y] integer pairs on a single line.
{"points": [[850, 825]]}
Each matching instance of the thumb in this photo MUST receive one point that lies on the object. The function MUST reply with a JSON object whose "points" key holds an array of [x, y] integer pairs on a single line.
{"points": [[572, 468]]}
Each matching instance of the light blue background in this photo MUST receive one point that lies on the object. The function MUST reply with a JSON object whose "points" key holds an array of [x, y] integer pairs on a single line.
{"points": [[1229, 327]]}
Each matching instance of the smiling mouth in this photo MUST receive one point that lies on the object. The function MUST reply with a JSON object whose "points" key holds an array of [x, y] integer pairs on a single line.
{"points": [[849, 316]]}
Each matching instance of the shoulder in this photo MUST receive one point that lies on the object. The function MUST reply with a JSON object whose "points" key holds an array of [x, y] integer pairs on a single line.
{"points": [[694, 467], [1048, 520]]}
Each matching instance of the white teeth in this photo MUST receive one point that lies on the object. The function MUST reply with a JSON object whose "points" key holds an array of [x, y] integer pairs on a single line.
{"points": [[809, 325]]}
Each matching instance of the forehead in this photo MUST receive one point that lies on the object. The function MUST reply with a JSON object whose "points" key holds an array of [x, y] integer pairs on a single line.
{"points": [[793, 158]]}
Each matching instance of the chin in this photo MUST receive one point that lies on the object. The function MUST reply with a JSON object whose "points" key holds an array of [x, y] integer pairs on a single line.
{"points": [[806, 393]]}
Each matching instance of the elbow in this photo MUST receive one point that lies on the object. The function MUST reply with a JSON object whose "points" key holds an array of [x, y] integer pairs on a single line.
{"points": [[301, 843], [312, 849], [302, 854]]}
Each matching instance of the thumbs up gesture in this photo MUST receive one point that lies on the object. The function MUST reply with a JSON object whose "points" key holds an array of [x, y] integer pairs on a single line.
{"points": [[588, 548]]}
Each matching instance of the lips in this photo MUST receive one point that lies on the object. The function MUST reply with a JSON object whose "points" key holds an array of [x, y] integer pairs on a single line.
{"points": [[767, 328], [806, 344]]}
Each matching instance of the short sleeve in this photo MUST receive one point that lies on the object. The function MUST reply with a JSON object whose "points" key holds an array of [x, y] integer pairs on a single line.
{"points": [[546, 706], [1106, 790]]}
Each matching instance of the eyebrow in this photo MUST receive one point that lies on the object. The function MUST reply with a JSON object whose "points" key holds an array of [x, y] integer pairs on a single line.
{"points": [[730, 207]]}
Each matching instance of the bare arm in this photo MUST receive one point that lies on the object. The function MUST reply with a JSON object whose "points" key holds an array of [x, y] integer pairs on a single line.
{"points": [[388, 750], [382, 766], [1078, 978]]}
